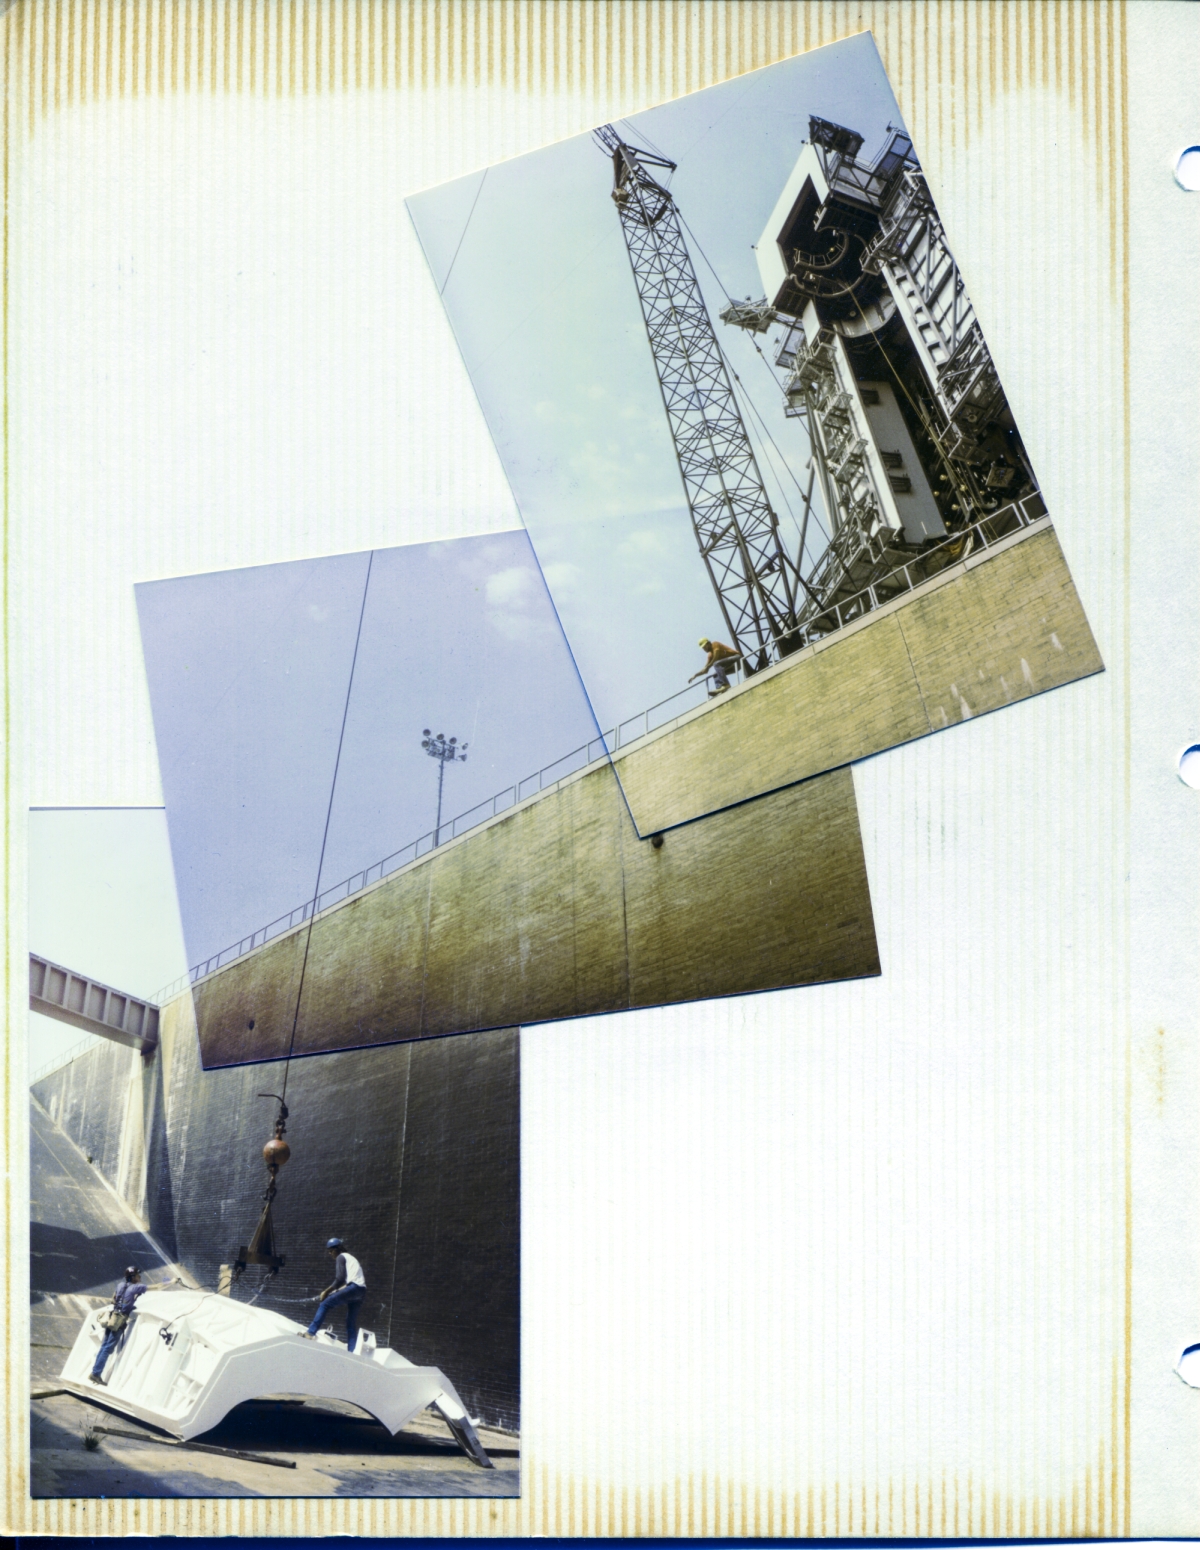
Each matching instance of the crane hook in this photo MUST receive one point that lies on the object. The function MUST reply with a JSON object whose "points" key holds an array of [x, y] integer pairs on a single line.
{"points": [[277, 1151]]}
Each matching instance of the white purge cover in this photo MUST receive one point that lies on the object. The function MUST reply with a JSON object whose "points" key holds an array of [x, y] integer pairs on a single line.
{"points": [[186, 1358]]}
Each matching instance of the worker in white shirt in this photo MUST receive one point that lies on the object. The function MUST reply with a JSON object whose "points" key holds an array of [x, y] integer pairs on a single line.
{"points": [[349, 1288]]}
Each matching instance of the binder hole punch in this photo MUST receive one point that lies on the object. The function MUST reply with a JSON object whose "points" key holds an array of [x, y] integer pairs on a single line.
{"points": [[1189, 766], [1188, 1366], [1187, 169]]}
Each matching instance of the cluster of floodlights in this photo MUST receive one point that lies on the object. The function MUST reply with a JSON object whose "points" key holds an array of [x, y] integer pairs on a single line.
{"points": [[445, 751], [441, 747]]}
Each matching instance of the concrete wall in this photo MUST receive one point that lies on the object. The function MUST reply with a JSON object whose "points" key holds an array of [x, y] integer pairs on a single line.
{"points": [[409, 1152], [1004, 624], [558, 910]]}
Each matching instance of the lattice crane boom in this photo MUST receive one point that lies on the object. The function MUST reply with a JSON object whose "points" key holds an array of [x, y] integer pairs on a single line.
{"points": [[754, 577]]}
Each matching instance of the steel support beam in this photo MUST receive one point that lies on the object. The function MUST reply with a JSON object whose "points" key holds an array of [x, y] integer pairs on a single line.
{"points": [[85, 1003]]}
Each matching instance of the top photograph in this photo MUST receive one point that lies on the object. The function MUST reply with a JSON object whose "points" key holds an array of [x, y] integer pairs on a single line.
{"points": [[752, 424]]}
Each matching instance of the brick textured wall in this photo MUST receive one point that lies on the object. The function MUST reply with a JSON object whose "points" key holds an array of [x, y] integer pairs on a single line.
{"points": [[997, 628], [559, 910], [409, 1152]]}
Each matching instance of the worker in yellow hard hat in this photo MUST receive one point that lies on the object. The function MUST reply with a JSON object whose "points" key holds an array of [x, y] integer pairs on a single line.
{"points": [[720, 660]]}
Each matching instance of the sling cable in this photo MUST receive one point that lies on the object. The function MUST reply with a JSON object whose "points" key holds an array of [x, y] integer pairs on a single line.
{"points": [[262, 1248]]}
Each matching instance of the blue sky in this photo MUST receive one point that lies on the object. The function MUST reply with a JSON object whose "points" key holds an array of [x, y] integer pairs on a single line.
{"points": [[532, 269], [101, 902], [248, 673]]}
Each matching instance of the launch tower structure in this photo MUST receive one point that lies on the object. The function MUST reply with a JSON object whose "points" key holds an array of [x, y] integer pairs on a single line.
{"points": [[912, 437], [757, 582]]}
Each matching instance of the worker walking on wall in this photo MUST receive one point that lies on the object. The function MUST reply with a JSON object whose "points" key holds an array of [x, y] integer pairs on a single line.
{"points": [[113, 1320], [720, 660], [349, 1288]]}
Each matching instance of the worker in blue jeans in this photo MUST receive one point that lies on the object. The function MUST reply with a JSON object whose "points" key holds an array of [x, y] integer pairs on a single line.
{"points": [[124, 1299], [349, 1288]]}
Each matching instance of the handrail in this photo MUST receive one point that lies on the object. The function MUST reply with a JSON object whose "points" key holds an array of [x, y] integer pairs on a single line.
{"points": [[1020, 514], [65, 1059]]}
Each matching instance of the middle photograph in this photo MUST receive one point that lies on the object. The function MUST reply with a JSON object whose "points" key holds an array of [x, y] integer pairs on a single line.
{"points": [[393, 816]]}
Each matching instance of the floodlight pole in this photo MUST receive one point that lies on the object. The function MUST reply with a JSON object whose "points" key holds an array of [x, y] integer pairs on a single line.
{"points": [[445, 751]]}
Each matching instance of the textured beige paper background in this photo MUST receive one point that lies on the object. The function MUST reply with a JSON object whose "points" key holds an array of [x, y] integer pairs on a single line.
{"points": [[907, 1257]]}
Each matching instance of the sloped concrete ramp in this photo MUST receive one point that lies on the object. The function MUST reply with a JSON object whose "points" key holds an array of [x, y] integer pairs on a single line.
{"points": [[81, 1238]]}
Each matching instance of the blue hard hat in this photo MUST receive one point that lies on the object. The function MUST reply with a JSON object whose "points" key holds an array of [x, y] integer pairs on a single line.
{"points": [[334, 1243]]}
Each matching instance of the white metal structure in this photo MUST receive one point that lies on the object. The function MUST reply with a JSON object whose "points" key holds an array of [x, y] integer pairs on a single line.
{"points": [[187, 1357]]}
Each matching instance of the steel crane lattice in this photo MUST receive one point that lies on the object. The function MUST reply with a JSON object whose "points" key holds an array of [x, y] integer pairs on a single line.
{"points": [[755, 579]]}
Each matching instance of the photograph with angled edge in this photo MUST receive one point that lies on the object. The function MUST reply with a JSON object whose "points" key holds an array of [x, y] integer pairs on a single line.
{"points": [[293, 1280], [392, 817], [752, 424]]}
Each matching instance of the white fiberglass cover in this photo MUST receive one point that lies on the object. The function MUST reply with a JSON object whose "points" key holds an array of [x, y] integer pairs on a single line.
{"points": [[187, 1357]]}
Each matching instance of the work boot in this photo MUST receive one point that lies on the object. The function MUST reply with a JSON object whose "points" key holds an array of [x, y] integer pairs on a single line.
{"points": [[304, 1335], [94, 1377]]}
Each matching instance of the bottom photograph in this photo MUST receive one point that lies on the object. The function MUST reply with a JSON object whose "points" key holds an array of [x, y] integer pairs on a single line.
{"points": [[296, 1279]]}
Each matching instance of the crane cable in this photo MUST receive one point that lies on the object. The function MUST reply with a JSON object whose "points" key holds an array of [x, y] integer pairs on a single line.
{"points": [[278, 1146], [775, 380], [325, 836]]}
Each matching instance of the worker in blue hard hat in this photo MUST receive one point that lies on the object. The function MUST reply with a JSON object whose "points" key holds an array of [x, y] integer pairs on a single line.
{"points": [[114, 1319], [348, 1289], [720, 660]]}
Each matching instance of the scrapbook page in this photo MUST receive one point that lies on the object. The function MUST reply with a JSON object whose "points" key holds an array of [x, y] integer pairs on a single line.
{"points": [[752, 1093]]}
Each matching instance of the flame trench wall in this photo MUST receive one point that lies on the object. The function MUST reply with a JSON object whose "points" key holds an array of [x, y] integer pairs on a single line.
{"points": [[561, 907], [559, 910], [409, 1152]]}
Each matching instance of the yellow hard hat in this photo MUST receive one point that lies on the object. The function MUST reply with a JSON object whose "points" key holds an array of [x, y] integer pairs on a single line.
{"points": [[704, 641]]}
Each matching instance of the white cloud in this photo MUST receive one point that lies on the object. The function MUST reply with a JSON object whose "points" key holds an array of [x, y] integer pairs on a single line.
{"points": [[512, 587], [516, 603], [562, 575]]}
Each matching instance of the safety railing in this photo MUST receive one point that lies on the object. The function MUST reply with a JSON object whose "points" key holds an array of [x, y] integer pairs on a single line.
{"points": [[989, 530], [835, 616], [65, 1059], [592, 752]]}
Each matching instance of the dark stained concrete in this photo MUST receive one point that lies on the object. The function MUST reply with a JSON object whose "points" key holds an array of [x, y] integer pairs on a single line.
{"points": [[557, 909]]}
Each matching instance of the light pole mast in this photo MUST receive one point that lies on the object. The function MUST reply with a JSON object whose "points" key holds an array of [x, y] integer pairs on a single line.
{"points": [[445, 751]]}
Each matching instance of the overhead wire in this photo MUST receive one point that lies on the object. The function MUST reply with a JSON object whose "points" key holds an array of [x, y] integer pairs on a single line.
{"points": [[328, 816], [732, 371], [784, 502], [641, 133], [463, 235], [316, 898]]}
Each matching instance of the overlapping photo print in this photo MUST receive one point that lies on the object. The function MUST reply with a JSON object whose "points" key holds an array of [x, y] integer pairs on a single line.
{"points": [[393, 817], [756, 434]]}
